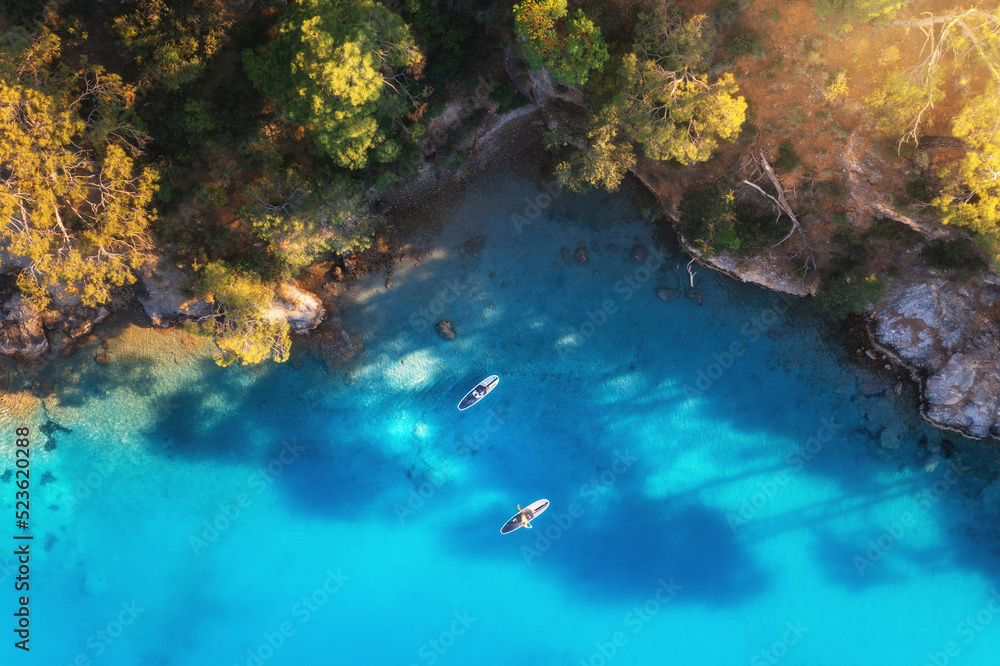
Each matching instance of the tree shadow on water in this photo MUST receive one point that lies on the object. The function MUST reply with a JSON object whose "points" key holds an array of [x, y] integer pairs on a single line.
{"points": [[625, 553]]}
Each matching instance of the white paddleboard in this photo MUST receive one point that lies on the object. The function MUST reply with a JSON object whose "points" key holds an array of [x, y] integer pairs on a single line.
{"points": [[483, 388], [530, 512]]}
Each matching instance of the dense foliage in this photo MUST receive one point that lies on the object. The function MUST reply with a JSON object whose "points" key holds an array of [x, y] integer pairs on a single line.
{"points": [[570, 47], [74, 206], [170, 43], [245, 332], [247, 140], [340, 70], [662, 99], [302, 219]]}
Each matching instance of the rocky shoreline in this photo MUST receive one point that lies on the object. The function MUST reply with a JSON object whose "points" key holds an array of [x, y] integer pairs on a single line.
{"points": [[940, 330]]}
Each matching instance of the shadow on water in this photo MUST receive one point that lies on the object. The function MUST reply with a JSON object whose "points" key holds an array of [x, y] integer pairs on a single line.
{"points": [[615, 552], [619, 546]]}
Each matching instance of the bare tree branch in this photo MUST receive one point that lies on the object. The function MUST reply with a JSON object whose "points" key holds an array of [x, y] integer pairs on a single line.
{"points": [[783, 207]]}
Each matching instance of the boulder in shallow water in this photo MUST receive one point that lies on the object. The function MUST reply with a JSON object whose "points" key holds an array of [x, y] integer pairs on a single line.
{"points": [[638, 252], [75, 321], [445, 329], [580, 256]]}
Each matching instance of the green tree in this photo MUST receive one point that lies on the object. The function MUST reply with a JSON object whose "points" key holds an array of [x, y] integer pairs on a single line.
{"points": [[570, 47], [171, 42], [74, 207], [339, 69], [604, 161], [671, 106], [302, 218], [662, 99], [244, 331]]}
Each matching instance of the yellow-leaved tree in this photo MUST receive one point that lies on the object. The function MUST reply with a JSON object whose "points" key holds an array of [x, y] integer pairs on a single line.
{"points": [[74, 206], [664, 99], [244, 331]]}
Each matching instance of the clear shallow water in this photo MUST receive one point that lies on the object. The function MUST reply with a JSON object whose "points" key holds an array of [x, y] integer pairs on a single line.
{"points": [[700, 514]]}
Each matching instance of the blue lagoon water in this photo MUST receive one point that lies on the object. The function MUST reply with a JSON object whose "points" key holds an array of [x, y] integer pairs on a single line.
{"points": [[726, 486]]}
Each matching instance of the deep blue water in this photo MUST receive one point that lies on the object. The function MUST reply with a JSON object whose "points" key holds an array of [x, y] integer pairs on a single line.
{"points": [[725, 486]]}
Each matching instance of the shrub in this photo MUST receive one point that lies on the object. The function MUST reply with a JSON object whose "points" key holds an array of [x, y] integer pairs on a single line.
{"points": [[837, 87], [715, 221], [788, 159], [920, 190], [849, 293], [747, 42], [507, 97], [953, 256]]}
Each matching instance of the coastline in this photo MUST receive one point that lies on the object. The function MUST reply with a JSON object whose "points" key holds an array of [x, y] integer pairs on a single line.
{"points": [[417, 208]]}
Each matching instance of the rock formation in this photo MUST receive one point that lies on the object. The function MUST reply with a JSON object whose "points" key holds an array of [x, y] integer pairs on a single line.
{"points": [[945, 332]]}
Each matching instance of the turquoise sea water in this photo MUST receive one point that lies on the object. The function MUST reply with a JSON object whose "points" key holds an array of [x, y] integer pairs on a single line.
{"points": [[725, 487]]}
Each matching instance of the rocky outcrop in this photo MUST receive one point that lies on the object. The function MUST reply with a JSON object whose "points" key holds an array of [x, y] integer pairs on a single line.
{"points": [[302, 309], [160, 290], [76, 320], [946, 333], [21, 330], [867, 196], [765, 267], [538, 86]]}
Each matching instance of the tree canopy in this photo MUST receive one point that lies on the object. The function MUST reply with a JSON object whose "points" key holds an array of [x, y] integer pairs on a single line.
{"points": [[569, 47], [671, 106], [245, 332], [340, 70], [971, 196], [302, 218], [170, 43], [663, 99], [74, 207]]}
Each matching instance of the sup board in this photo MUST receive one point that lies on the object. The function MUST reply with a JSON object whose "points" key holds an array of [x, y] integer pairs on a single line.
{"points": [[530, 512], [482, 388]]}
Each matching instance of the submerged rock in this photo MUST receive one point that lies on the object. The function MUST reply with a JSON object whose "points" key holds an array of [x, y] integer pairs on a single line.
{"points": [[580, 256], [638, 252], [337, 346], [667, 295], [474, 245], [445, 329], [567, 257]]}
